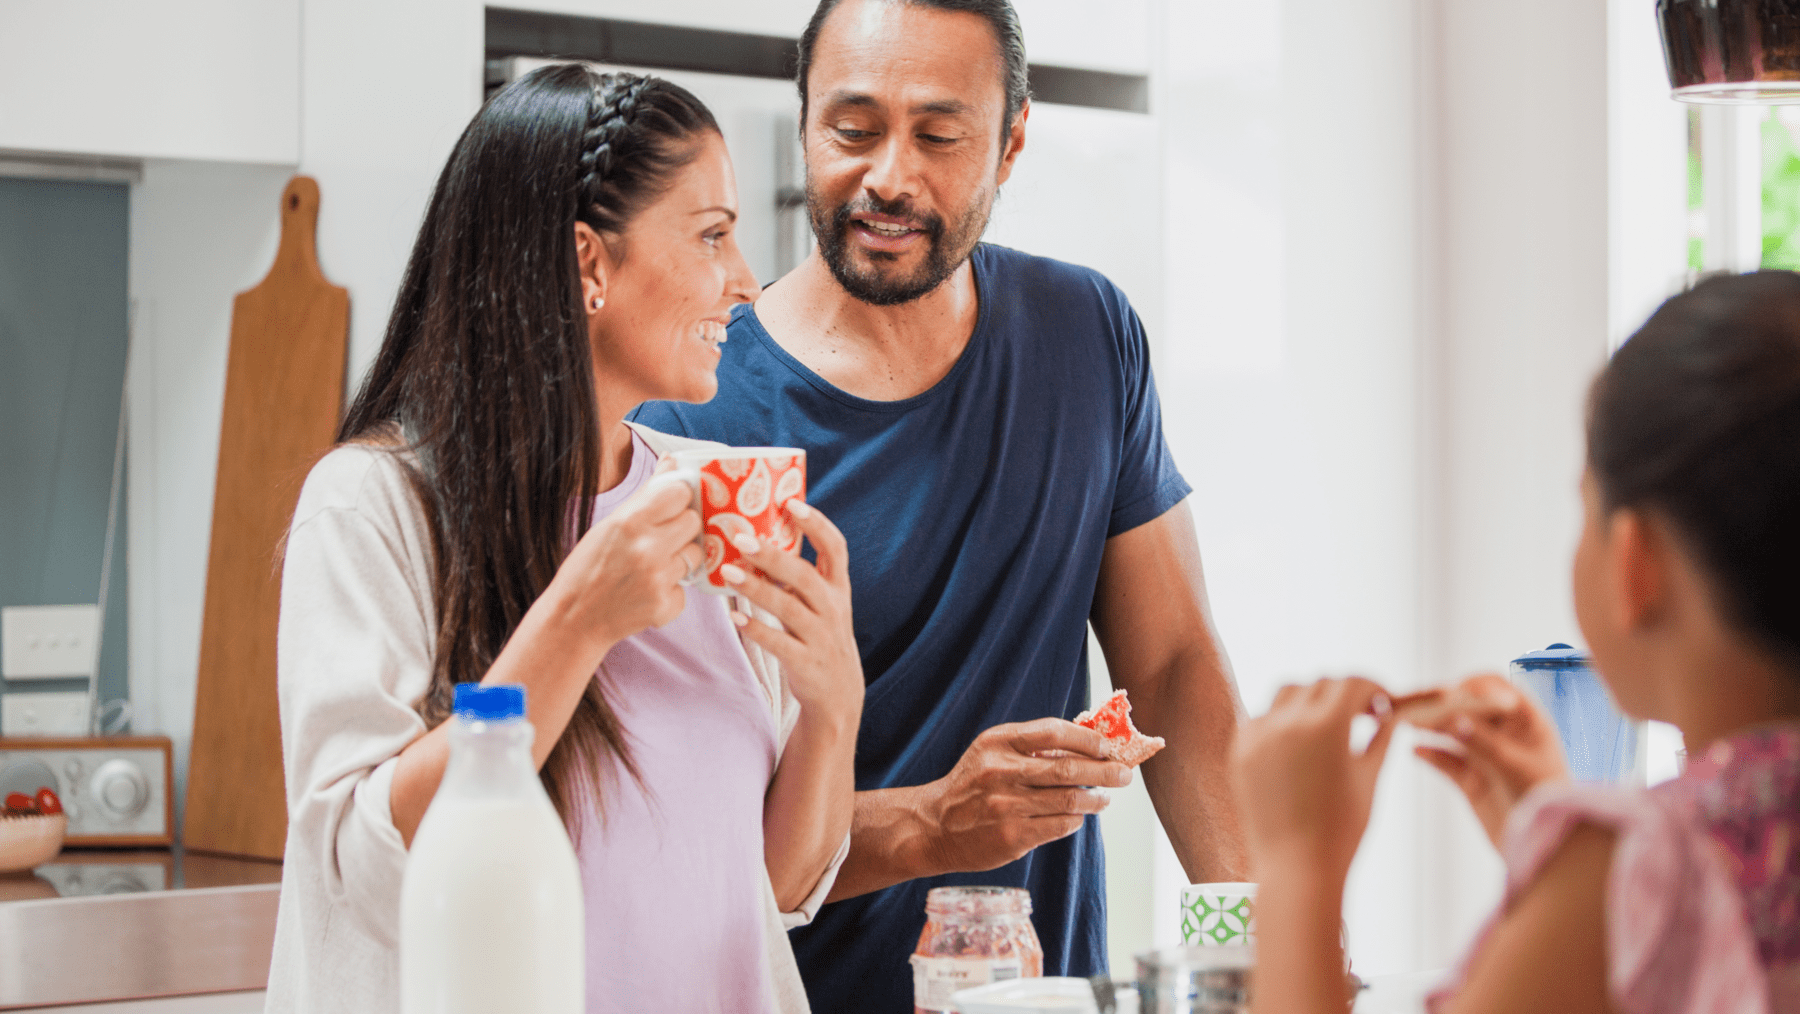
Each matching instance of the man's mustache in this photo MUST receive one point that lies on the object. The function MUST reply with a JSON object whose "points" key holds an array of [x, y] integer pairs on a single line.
{"points": [[929, 223]]}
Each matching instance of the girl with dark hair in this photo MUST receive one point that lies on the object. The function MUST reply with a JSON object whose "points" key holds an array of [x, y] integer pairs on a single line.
{"points": [[1682, 898], [486, 517]]}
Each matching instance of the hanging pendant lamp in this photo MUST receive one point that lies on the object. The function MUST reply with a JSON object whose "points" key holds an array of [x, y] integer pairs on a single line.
{"points": [[1732, 51]]}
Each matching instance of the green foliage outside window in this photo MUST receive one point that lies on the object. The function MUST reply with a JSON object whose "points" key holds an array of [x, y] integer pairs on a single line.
{"points": [[1696, 252], [1780, 197]]}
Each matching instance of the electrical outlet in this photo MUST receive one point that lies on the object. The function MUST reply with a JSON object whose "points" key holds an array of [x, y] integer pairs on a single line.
{"points": [[48, 642], [44, 714]]}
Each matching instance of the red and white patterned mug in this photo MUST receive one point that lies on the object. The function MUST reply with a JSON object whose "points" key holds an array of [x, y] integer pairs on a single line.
{"points": [[740, 491]]}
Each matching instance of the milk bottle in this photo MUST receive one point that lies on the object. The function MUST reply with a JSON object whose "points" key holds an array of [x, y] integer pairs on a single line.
{"points": [[490, 908]]}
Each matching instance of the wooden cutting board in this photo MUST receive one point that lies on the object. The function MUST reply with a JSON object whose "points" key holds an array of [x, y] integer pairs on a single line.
{"points": [[284, 392]]}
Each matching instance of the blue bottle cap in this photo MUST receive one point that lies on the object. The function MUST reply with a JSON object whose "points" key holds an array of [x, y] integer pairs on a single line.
{"points": [[490, 704], [1557, 656]]}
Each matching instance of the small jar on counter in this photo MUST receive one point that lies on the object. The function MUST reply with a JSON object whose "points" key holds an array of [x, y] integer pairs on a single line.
{"points": [[973, 936]]}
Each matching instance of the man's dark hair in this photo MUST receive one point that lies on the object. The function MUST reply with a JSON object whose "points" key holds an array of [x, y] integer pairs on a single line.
{"points": [[999, 15], [1697, 418]]}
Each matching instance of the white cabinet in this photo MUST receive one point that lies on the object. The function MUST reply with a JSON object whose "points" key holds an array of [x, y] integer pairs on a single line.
{"points": [[209, 1003], [186, 79], [786, 18], [1094, 34], [1111, 35]]}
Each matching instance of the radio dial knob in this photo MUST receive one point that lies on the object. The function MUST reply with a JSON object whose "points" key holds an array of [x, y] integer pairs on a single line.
{"points": [[120, 789]]}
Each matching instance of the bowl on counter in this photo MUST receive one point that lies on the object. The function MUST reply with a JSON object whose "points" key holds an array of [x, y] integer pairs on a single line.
{"points": [[28, 841], [26, 886]]}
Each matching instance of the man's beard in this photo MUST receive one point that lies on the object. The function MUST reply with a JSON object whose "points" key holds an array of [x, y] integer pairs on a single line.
{"points": [[945, 249]]}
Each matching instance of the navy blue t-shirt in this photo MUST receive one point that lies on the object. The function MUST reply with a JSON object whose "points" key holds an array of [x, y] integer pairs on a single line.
{"points": [[976, 514]]}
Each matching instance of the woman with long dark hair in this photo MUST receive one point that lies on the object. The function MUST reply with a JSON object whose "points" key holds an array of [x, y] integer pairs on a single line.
{"points": [[486, 517]]}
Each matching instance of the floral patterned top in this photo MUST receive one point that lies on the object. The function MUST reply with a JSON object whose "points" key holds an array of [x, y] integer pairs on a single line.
{"points": [[1745, 792], [1703, 898]]}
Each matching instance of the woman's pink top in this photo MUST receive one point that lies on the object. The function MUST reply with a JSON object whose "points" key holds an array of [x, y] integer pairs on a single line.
{"points": [[1703, 899], [672, 868]]}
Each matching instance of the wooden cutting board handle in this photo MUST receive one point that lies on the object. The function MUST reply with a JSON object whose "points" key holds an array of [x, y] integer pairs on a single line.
{"points": [[284, 393]]}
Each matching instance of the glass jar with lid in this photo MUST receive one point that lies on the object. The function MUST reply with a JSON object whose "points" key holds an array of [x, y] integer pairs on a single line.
{"points": [[973, 936]]}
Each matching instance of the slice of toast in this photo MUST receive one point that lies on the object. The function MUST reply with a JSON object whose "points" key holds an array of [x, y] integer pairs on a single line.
{"points": [[1124, 743], [1434, 707]]}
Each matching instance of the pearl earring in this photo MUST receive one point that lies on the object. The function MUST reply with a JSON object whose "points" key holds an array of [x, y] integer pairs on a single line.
{"points": [[599, 302]]}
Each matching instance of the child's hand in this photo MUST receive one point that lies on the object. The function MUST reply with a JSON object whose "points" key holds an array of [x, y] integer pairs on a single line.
{"points": [[1509, 747], [1303, 792]]}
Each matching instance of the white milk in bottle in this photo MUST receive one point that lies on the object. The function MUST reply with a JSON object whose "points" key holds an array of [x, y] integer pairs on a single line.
{"points": [[490, 909]]}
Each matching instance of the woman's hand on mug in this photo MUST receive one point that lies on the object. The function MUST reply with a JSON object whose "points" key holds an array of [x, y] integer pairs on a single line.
{"points": [[1508, 748], [815, 642], [625, 574]]}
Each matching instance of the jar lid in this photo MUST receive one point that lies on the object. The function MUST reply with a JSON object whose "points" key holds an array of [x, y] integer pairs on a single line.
{"points": [[1557, 656], [977, 902]]}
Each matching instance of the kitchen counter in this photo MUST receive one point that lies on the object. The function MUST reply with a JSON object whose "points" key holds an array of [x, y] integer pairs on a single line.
{"points": [[1403, 993], [209, 1003], [101, 926], [160, 932]]}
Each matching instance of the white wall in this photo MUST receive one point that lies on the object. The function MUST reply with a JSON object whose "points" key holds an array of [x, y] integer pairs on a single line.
{"points": [[1388, 284], [1524, 313], [1354, 346], [1522, 276], [388, 88], [200, 232], [1647, 172], [1290, 371], [1083, 191], [1116, 35], [1217, 88], [197, 79]]}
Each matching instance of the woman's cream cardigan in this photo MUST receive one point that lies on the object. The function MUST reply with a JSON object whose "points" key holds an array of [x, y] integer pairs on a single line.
{"points": [[354, 656]]}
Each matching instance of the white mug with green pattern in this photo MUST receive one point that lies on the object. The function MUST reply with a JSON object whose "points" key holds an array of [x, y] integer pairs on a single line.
{"points": [[1218, 915]]}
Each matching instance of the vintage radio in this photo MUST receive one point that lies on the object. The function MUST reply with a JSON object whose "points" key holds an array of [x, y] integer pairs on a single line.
{"points": [[117, 790]]}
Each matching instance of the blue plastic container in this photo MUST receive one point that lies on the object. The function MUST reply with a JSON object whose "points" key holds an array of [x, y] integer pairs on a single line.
{"points": [[1600, 743]]}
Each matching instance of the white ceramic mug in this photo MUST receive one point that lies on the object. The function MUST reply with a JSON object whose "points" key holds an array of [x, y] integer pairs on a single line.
{"points": [[1218, 915]]}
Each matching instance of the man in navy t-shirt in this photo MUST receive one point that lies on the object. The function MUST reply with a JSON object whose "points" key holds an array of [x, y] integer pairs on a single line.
{"points": [[984, 428]]}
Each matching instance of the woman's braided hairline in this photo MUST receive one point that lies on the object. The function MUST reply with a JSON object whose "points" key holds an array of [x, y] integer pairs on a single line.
{"points": [[611, 116]]}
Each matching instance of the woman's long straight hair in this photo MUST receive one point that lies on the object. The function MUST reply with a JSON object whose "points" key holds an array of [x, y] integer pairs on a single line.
{"points": [[486, 376]]}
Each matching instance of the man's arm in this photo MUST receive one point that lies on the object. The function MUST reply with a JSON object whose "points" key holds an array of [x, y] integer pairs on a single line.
{"points": [[891, 840], [998, 803], [1155, 626]]}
